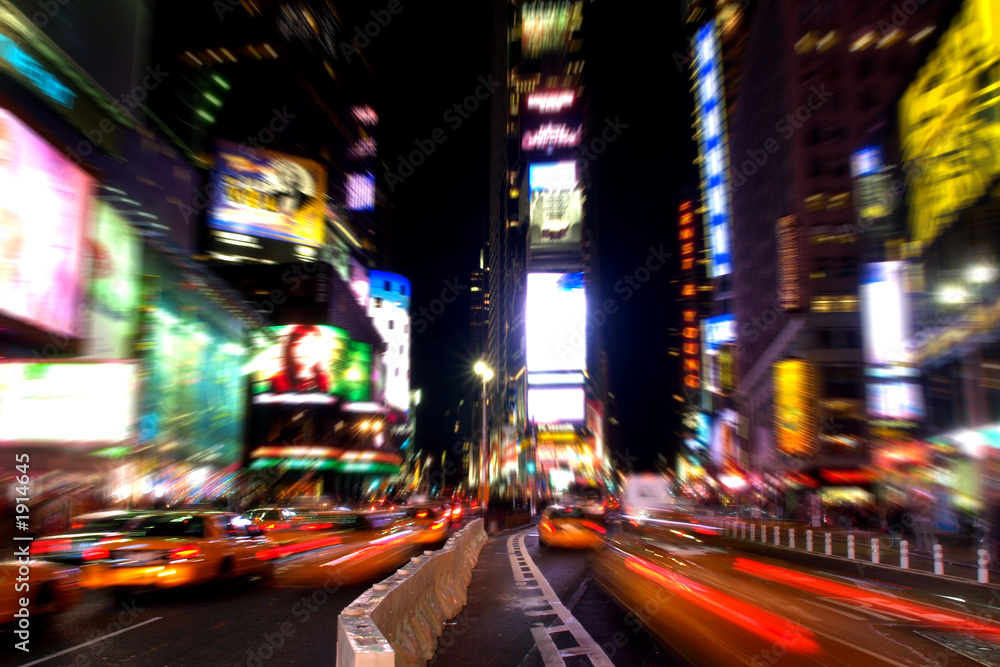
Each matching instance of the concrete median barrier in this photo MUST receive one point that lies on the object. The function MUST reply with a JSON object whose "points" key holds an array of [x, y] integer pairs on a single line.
{"points": [[399, 620]]}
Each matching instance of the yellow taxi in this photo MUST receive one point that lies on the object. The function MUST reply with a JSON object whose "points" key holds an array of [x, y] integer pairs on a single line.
{"points": [[47, 588], [169, 549], [432, 520], [569, 527]]}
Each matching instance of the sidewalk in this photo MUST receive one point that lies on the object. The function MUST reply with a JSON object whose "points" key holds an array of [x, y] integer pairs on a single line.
{"points": [[493, 629]]}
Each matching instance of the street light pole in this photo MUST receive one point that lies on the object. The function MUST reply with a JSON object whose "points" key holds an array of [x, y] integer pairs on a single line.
{"points": [[484, 370]]}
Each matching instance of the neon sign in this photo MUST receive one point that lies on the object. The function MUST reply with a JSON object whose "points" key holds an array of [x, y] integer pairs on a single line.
{"points": [[550, 101], [552, 135], [21, 62], [712, 147]]}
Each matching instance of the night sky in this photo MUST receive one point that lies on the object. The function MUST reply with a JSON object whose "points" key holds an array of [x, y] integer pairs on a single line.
{"points": [[430, 57]]}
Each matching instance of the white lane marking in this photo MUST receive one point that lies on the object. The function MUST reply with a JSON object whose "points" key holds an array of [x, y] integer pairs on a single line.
{"points": [[854, 646], [595, 654], [547, 647], [92, 641], [863, 607], [833, 609], [573, 601]]}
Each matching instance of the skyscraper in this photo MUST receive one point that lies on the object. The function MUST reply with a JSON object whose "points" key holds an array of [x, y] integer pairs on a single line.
{"points": [[538, 343]]}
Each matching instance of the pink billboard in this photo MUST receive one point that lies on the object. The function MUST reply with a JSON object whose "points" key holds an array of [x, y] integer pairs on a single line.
{"points": [[43, 211]]}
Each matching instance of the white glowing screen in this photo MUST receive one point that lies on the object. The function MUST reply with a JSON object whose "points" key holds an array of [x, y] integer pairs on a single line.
{"points": [[556, 313]]}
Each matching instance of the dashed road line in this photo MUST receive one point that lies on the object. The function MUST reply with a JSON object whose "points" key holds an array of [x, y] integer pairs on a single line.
{"points": [[587, 645]]}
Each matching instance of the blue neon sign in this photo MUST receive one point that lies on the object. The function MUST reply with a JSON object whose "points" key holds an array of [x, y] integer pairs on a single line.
{"points": [[712, 146], [24, 64]]}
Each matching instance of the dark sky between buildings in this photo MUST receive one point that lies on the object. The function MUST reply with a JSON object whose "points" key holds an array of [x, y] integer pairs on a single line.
{"points": [[432, 56]]}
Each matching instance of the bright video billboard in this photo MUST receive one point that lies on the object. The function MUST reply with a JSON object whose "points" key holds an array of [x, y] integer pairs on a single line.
{"points": [[266, 194], [114, 290], [67, 402], [896, 400], [550, 405], [556, 316], [306, 363], [884, 313], [43, 217], [711, 115], [552, 176], [795, 419], [948, 125]]}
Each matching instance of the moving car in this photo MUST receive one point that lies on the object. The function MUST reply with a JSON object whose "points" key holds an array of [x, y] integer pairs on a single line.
{"points": [[271, 518], [86, 531], [431, 520], [48, 587], [169, 549], [569, 527], [590, 500]]}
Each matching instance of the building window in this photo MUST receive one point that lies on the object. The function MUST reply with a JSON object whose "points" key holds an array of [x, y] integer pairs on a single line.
{"points": [[397, 372], [402, 290], [816, 201], [406, 328], [392, 324], [387, 286], [377, 301], [401, 349], [835, 303]]}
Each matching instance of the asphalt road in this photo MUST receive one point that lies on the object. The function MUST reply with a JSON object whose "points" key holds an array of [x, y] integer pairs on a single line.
{"points": [[718, 606], [291, 620]]}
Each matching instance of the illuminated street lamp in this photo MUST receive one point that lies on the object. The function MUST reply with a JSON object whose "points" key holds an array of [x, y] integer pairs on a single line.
{"points": [[953, 294], [981, 274], [487, 373]]}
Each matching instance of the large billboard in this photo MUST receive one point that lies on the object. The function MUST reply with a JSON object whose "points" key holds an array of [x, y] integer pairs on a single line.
{"points": [[556, 206], [550, 405], [556, 316], [262, 194], [44, 205], [884, 313], [306, 363], [948, 122], [895, 400], [796, 425], [114, 290], [67, 403], [711, 116], [389, 310]]}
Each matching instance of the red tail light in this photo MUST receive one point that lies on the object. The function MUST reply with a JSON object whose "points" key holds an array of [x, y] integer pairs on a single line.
{"points": [[185, 552], [438, 525], [548, 526], [595, 527], [421, 514], [457, 511], [447, 512], [76, 525], [96, 553], [316, 526], [50, 546]]}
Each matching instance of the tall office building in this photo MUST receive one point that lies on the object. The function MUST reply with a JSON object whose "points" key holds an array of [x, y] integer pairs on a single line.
{"points": [[480, 305], [547, 394], [819, 86]]}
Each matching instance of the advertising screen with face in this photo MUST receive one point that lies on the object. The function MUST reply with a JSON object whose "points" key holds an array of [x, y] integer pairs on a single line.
{"points": [[44, 202], [556, 322], [309, 363]]}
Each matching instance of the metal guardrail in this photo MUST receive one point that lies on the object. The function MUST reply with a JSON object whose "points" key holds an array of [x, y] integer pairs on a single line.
{"points": [[880, 549]]}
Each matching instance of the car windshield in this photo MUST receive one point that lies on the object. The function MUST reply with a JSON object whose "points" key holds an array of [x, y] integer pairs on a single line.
{"points": [[168, 525], [589, 495]]}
